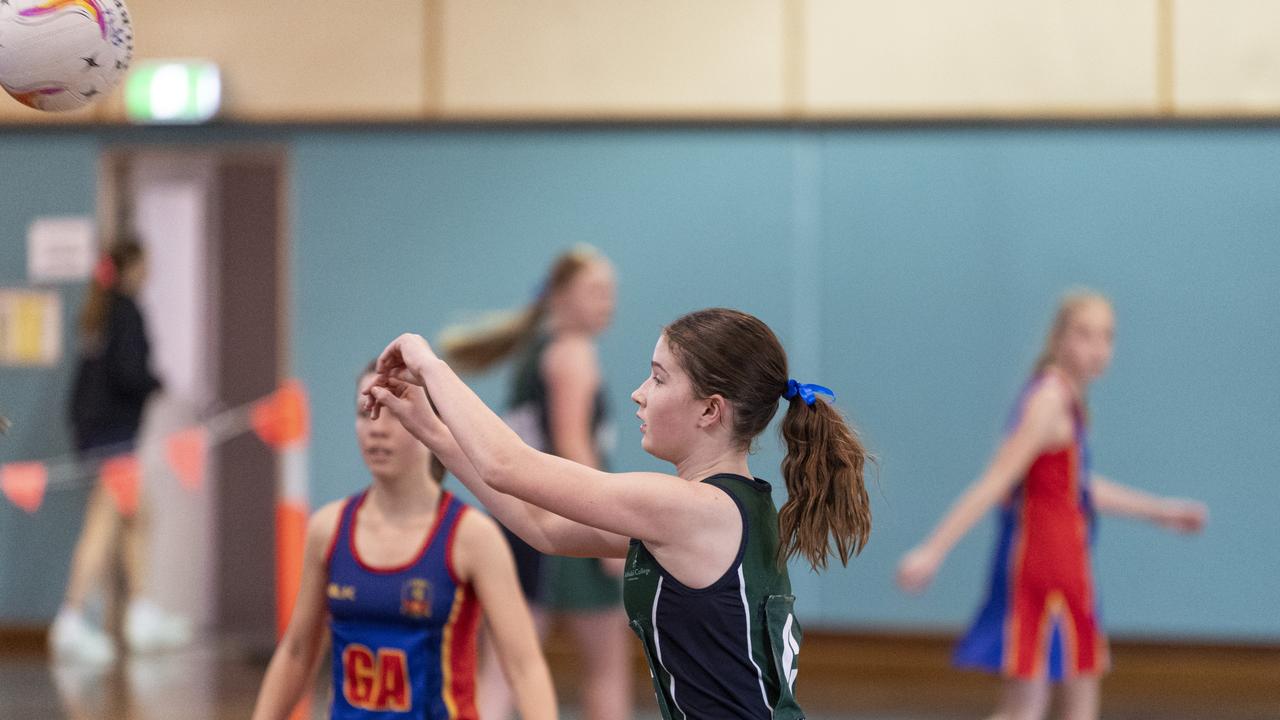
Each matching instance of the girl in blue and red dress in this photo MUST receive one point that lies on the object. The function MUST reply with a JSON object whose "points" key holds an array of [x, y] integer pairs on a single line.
{"points": [[1040, 622], [401, 574]]}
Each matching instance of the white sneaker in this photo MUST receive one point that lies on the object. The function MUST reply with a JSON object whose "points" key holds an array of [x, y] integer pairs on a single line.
{"points": [[72, 638], [147, 628]]}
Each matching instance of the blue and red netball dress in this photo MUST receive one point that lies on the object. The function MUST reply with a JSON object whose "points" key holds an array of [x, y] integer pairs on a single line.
{"points": [[404, 638], [1041, 620]]}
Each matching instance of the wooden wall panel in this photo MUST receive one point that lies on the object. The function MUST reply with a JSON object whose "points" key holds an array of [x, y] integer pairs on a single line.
{"points": [[715, 59], [979, 57], [293, 60], [613, 57], [1226, 56]]}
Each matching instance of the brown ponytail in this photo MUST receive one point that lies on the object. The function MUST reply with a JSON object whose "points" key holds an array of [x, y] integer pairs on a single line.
{"points": [[826, 497], [477, 347], [735, 355]]}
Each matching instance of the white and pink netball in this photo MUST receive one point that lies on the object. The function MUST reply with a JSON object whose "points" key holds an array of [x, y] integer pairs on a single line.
{"points": [[58, 55]]}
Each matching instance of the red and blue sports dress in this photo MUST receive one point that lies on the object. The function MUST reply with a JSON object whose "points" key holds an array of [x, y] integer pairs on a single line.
{"points": [[1040, 619], [404, 638]]}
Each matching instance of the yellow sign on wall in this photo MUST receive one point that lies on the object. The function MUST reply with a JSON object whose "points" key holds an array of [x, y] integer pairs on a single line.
{"points": [[30, 327]]}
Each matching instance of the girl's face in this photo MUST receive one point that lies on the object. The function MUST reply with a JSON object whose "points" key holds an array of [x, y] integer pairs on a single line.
{"points": [[1087, 341], [586, 304], [389, 451], [669, 410]]}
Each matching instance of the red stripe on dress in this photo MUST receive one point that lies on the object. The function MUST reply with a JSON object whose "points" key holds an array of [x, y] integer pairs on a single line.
{"points": [[458, 655]]}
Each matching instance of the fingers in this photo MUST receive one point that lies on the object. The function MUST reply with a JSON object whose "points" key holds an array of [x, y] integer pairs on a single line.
{"points": [[390, 358], [386, 398], [406, 375], [910, 583], [1186, 516], [405, 388], [1196, 517], [378, 397], [916, 571]]}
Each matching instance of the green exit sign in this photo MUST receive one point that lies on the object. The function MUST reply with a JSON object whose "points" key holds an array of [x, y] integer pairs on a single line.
{"points": [[173, 91]]}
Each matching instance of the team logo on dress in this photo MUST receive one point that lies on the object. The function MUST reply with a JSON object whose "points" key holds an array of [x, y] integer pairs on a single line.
{"points": [[341, 592], [415, 598], [633, 568]]}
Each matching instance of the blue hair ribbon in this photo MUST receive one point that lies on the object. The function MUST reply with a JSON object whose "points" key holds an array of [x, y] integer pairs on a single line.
{"points": [[807, 392]]}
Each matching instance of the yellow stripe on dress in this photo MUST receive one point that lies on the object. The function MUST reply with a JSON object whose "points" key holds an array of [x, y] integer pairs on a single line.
{"points": [[446, 659]]}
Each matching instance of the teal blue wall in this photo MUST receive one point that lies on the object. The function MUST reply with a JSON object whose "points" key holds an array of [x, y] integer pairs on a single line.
{"points": [[39, 175], [912, 269]]}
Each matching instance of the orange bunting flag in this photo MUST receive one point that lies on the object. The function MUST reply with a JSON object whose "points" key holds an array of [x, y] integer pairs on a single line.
{"points": [[122, 475], [282, 419], [24, 483], [186, 452]]}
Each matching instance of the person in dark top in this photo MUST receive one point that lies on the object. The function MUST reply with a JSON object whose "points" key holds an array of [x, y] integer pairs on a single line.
{"points": [[113, 382], [706, 586], [113, 379], [557, 404]]}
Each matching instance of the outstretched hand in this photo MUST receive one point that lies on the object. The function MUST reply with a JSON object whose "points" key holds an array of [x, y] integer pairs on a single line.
{"points": [[408, 403], [402, 360], [917, 568], [1184, 516]]}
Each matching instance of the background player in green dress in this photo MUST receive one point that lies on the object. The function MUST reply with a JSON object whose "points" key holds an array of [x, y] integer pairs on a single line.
{"points": [[557, 405]]}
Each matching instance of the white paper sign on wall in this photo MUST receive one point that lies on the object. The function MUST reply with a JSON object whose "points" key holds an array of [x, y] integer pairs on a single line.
{"points": [[60, 249]]}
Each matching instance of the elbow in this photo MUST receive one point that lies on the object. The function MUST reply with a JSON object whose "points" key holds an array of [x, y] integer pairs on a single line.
{"points": [[501, 470]]}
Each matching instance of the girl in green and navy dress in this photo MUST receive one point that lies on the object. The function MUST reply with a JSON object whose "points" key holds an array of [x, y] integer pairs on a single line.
{"points": [[706, 586]]}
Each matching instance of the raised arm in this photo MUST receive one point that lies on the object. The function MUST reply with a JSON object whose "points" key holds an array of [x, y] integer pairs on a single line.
{"points": [[1039, 428], [294, 661], [544, 530], [1185, 516], [658, 509]]}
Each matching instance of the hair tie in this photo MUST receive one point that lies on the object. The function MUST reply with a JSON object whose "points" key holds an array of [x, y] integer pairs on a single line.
{"points": [[104, 273], [806, 391]]}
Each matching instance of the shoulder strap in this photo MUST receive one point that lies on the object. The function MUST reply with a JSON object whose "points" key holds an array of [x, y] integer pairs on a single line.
{"points": [[349, 506]]}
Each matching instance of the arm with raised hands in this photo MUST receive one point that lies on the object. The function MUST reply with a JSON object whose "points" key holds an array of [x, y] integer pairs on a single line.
{"points": [[1046, 410], [1186, 516], [656, 508], [544, 530]]}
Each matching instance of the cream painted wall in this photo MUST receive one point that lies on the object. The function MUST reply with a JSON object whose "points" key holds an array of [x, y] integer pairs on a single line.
{"points": [[981, 57], [1227, 56], [587, 57], [290, 61]]}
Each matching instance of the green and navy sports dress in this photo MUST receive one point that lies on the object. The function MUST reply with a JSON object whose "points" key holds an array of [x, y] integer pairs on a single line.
{"points": [[564, 584], [727, 651]]}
